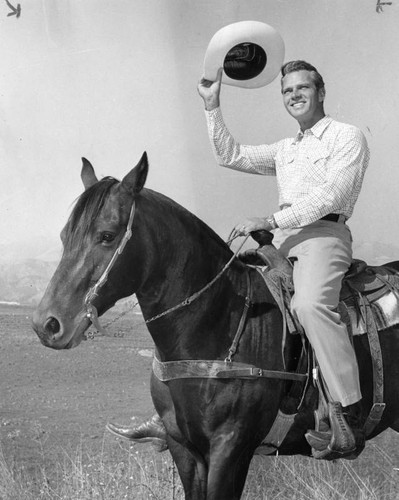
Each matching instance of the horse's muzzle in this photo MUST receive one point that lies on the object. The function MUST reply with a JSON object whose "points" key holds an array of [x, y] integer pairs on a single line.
{"points": [[52, 333]]}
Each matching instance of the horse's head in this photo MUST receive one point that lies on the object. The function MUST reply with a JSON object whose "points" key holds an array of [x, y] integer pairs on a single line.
{"points": [[93, 240]]}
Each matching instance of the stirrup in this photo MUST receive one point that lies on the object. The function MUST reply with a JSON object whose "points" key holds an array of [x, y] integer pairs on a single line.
{"points": [[342, 443]]}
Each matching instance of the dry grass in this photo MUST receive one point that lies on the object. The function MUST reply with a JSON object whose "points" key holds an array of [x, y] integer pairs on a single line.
{"points": [[371, 477], [122, 471], [114, 474]]}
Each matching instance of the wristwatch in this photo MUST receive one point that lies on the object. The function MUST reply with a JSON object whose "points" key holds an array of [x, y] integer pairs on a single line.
{"points": [[272, 221]]}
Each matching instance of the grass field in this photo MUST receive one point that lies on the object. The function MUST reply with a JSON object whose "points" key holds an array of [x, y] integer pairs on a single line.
{"points": [[139, 473], [55, 404]]}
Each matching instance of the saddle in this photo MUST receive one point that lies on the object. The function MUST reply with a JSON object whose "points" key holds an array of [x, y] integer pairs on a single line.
{"points": [[369, 302], [364, 287]]}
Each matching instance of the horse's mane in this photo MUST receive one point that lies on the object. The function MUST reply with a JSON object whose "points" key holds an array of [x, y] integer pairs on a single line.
{"points": [[86, 210], [173, 206], [90, 203]]}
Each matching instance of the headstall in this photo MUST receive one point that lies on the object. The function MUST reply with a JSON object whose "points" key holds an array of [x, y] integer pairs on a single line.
{"points": [[91, 310]]}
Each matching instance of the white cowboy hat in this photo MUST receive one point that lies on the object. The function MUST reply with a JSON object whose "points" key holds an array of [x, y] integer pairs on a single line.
{"points": [[250, 52]]}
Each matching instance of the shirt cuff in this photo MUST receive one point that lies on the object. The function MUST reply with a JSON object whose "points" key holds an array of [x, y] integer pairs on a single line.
{"points": [[215, 113], [286, 219]]}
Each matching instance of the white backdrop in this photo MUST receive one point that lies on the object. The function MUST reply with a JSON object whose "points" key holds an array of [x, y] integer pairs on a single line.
{"points": [[108, 80]]}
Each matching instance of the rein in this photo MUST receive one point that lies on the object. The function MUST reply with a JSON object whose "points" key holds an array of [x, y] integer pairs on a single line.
{"points": [[196, 295]]}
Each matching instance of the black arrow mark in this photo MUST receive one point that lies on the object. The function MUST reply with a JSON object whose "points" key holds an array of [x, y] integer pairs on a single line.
{"points": [[16, 11], [379, 6]]}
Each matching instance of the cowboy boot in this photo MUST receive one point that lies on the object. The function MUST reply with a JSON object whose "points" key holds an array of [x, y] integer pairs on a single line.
{"points": [[347, 435], [152, 431], [355, 417]]}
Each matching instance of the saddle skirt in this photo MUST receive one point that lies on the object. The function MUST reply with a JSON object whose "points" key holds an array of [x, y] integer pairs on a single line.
{"points": [[376, 287], [365, 289]]}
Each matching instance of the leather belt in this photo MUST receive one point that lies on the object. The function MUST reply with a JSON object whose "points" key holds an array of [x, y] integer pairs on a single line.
{"points": [[334, 218], [331, 217]]}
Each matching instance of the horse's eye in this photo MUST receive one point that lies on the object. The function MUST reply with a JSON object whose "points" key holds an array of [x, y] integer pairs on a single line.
{"points": [[107, 237]]}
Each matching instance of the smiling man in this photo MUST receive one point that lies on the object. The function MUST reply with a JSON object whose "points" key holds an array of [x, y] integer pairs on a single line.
{"points": [[319, 176]]}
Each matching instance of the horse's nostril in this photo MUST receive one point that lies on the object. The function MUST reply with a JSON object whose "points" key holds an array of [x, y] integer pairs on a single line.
{"points": [[52, 325]]}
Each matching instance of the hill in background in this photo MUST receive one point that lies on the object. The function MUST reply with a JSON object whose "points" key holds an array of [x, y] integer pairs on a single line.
{"points": [[375, 253], [24, 280]]}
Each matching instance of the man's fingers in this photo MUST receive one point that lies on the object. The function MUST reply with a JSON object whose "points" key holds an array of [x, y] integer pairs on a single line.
{"points": [[240, 230], [207, 83]]}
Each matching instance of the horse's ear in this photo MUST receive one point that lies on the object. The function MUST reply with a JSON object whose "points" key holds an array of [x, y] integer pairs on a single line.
{"points": [[88, 176], [134, 181]]}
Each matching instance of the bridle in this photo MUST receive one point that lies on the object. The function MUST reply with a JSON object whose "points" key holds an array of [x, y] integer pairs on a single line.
{"points": [[91, 310]]}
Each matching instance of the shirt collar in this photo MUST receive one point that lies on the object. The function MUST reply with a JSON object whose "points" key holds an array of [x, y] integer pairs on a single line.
{"points": [[317, 130]]}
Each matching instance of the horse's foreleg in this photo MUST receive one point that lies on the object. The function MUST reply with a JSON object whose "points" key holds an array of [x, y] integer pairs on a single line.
{"points": [[192, 471], [223, 479], [227, 472], [190, 464]]}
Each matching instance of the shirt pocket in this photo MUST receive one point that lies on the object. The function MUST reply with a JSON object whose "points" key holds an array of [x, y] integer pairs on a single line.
{"points": [[316, 165], [285, 158]]}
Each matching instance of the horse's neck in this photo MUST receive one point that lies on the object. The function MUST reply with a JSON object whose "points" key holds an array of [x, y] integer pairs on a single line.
{"points": [[182, 252], [179, 271], [185, 261]]}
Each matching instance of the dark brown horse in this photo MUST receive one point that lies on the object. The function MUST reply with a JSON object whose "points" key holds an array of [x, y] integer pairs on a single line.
{"points": [[214, 425]]}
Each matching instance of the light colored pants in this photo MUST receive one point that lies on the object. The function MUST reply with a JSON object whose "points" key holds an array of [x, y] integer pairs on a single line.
{"points": [[322, 254]]}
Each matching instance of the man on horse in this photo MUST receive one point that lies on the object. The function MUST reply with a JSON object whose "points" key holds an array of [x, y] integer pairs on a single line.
{"points": [[319, 176]]}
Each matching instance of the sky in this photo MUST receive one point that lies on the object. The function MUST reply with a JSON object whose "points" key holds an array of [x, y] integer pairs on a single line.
{"points": [[108, 80]]}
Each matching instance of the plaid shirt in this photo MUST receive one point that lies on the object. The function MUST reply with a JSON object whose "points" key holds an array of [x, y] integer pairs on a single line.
{"points": [[318, 172]]}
